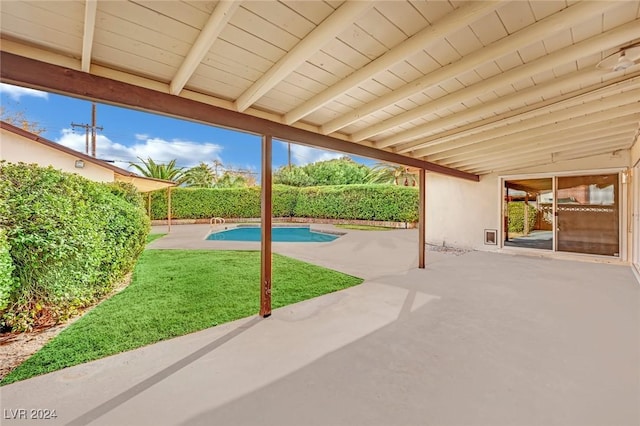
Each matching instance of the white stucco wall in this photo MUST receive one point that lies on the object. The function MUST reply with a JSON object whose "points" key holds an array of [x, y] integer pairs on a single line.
{"points": [[459, 211], [15, 148]]}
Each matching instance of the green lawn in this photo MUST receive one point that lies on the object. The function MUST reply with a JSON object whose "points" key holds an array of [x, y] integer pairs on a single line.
{"points": [[153, 237], [364, 227], [175, 292]]}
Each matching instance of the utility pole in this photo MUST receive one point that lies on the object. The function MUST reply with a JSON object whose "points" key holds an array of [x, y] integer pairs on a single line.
{"points": [[86, 132], [93, 129]]}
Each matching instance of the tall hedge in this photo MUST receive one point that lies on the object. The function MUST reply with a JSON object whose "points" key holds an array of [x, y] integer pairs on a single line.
{"points": [[69, 240], [200, 203], [7, 282], [367, 202], [516, 216]]}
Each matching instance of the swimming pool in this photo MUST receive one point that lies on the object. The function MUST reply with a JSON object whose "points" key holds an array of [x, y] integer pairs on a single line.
{"points": [[283, 234]]}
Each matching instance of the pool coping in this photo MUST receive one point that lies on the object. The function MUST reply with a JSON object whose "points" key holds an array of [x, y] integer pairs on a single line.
{"points": [[230, 226]]}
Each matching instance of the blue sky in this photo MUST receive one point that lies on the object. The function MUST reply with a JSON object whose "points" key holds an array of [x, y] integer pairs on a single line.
{"points": [[129, 134]]}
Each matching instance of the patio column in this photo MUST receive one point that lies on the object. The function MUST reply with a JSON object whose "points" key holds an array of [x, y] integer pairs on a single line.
{"points": [[266, 211], [506, 212], [422, 213], [526, 214], [169, 209]]}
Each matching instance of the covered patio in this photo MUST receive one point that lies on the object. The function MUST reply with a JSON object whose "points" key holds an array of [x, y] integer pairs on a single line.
{"points": [[468, 92], [459, 90], [474, 339]]}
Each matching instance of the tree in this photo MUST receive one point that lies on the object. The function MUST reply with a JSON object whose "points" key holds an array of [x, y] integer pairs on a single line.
{"points": [[389, 174], [244, 175], [292, 176], [231, 180], [167, 171], [341, 171], [200, 176], [18, 119]]}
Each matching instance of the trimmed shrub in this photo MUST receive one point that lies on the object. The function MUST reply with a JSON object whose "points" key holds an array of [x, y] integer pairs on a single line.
{"points": [[516, 216], [200, 203], [70, 240], [285, 199], [366, 202]]}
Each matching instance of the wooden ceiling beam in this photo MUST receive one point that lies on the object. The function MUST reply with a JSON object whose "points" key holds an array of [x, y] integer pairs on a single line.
{"points": [[29, 51], [479, 126], [512, 162], [526, 128], [40, 75], [548, 145], [567, 128], [550, 142], [547, 158], [526, 36], [210, 32], [588, 79], [451, 22], [464, 145], [596, 149], [318, 38], [90, 10], [596, 44]]}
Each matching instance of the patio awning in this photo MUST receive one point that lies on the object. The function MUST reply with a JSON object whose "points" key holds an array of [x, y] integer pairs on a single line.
{"points": [[461, 88]]}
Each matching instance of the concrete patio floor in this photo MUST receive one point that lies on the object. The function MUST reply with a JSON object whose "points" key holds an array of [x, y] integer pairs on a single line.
{"points": [[475, 339]]}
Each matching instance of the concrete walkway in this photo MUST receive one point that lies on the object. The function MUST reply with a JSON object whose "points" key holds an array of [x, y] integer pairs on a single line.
{"points": [[476, 339]]}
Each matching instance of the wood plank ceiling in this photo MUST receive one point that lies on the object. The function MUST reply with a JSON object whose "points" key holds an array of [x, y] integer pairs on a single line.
{"points": [[479, 86]]}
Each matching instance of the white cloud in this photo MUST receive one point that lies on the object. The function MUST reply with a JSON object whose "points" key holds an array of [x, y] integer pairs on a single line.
{"points": [[186, 153], [304, 155], [141, 136], [16, 92]]}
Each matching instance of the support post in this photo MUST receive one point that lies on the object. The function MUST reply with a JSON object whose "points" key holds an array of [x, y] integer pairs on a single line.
{"points": [[506, 213], [169, 209], [422, 224], [266, 219], [149, 204], [526, 214]]}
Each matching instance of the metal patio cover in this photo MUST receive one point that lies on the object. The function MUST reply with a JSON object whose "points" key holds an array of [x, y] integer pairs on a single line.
{"points": [[478, 86]]}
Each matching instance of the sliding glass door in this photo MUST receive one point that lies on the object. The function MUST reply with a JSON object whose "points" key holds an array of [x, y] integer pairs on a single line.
{"points": [[577, 214], [529, 213], [588, 214]]}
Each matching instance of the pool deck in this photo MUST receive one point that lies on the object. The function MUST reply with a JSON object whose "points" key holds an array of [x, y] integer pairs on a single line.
{"points": [[353, 253], [474, 339]]}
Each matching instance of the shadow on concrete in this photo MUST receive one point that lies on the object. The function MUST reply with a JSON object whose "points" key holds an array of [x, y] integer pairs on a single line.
{"points": [[133, 391]]}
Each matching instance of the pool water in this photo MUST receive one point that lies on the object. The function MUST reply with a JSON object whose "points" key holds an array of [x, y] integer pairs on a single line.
{"points": [[285, 234]]}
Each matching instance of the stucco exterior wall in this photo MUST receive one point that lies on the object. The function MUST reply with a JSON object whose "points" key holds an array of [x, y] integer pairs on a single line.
{"points": [[459, 211], [14, 148]]}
